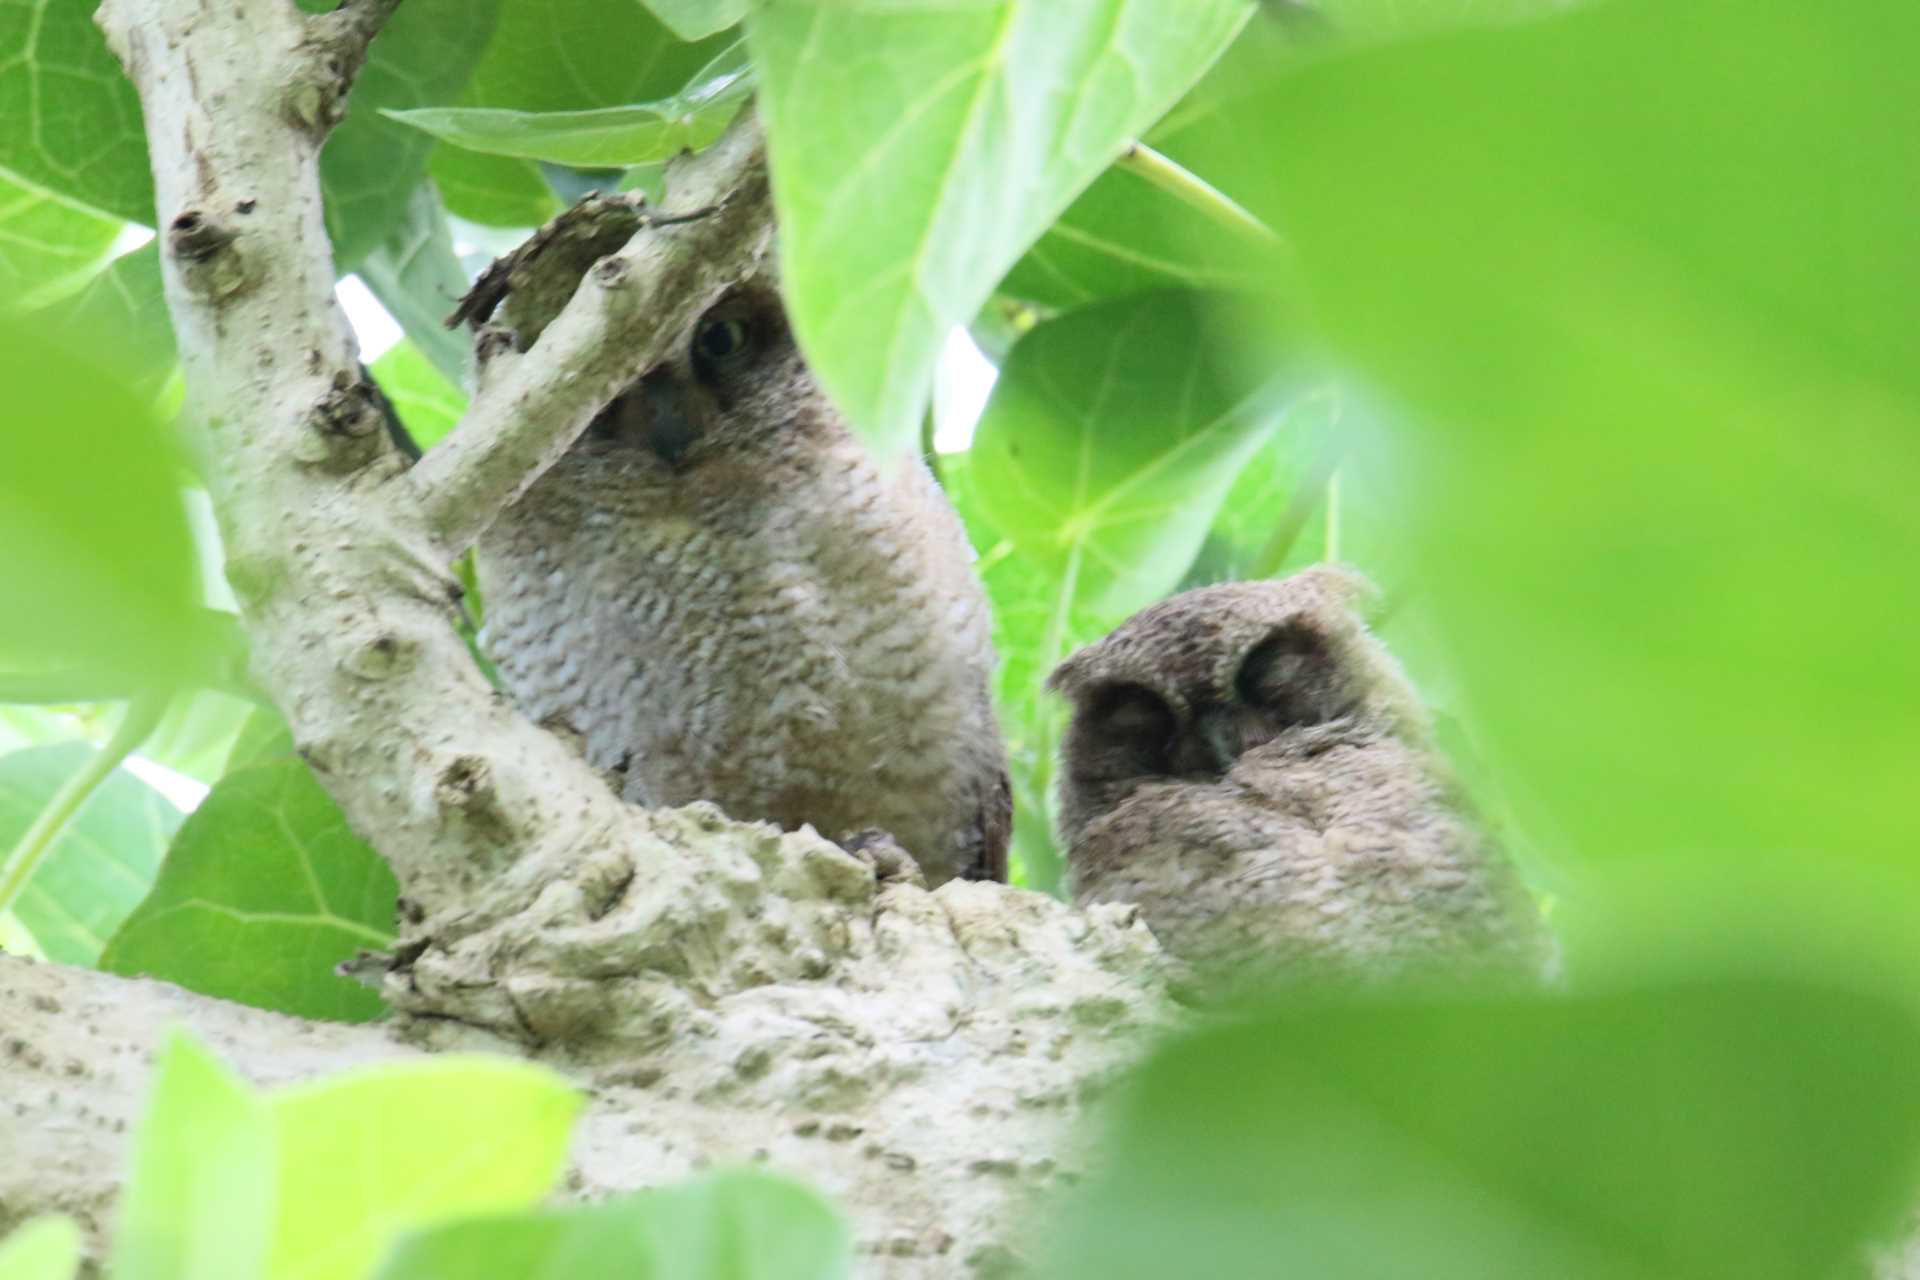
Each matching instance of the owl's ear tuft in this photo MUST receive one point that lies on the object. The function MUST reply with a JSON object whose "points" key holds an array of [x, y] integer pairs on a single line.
{"points": [[1343, 585], [1070, 674]]}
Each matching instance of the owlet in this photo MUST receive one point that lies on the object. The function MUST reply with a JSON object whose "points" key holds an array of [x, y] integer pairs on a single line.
{"points": [[1248, 764], [726, 597]]}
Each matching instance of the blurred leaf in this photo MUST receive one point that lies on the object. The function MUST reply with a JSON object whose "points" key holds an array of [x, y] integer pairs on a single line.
{"points": [[197, 734], [121, 318], [33, 726], [693, 19], [264, 739], [559, 55], [740, 1226], [419, 280], [100, 866], [370, 1154], [917, 151], [47, 246], [69, 120], [429, 406], [370, 165], [199, 1201], [16, 941], [263, 892], [92, 520], [43, 1249], [1278, 498], [1659, 325], [636, 133], [1112, 437], [491, 190], [1727, 1128]]}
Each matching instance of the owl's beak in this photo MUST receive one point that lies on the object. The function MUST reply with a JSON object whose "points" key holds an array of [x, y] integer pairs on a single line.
{"points": [[672, 426], [1218, 734]]}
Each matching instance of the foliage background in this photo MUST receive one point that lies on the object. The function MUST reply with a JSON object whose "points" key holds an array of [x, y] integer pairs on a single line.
{"points": [[1584, 330]]}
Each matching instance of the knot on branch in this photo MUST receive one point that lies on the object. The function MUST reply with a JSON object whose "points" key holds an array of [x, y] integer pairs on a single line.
{"points": [[210, 266], [468, 799], [346, 424]]}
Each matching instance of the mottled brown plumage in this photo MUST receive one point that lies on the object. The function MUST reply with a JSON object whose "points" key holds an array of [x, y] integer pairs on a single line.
{"points": [[727, 597], [1249, 765]]}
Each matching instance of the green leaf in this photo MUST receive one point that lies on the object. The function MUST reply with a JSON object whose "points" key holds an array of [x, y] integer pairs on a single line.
{"points": [[94, 527], [1708, 1128], [264, 739], [1111, 438], [47, 245], [567, 55], [419, 280], [559, 55], [423, 55], [1274, 518], [199, 1200], [428, 405], [42, 1249], [100, 866], [263, 892], [607, 136], [197, 734], [491, 190], [120, 317], [374, 1153], [1657, 330], [917, 151], [34, 726], [730, 1226], [69, 120], [1124, 235], [637, 133], [694, 19]]}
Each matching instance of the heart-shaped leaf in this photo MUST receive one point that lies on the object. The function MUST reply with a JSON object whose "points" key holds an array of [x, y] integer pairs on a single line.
{"points": [[263, 892], [918, 150]]}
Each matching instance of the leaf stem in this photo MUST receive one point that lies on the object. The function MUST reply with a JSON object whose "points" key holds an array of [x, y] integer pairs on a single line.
{"points": [[143, 714], [1188, 186]]}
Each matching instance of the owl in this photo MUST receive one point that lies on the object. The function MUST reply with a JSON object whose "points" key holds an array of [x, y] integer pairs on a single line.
{"points": [[1248, 765], [721, 594]]}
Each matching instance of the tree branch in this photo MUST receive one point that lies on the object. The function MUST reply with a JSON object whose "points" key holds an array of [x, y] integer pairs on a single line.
{"points": [[349, 29], [343, 592], [617, 325]]}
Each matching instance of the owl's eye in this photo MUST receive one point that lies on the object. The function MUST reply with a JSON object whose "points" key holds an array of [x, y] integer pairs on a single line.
{"points": [[721, 339], [1130, 728], [1294, 676]]}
